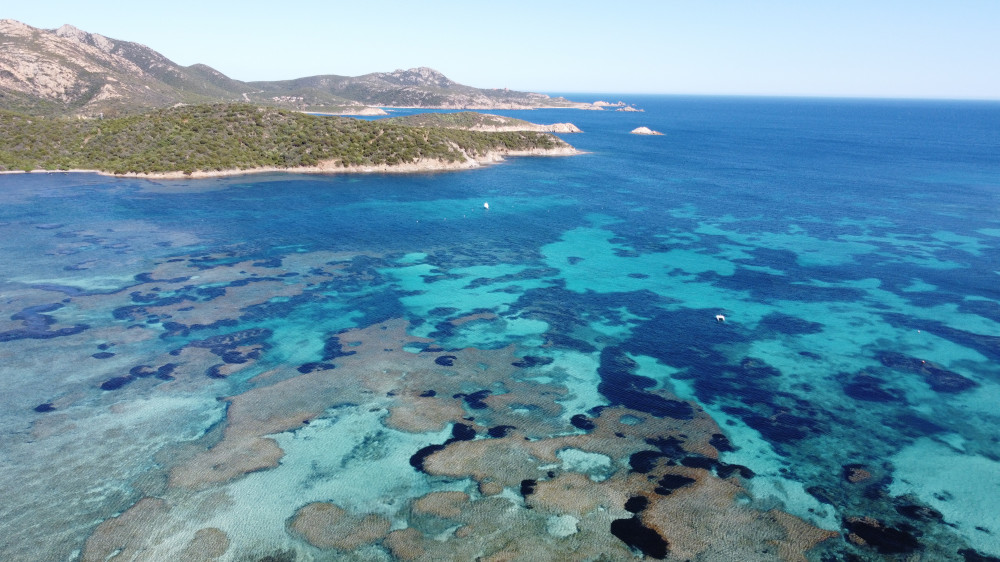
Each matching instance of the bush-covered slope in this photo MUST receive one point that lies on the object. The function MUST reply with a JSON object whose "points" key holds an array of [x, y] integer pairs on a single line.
{"points": [[237, 137]]}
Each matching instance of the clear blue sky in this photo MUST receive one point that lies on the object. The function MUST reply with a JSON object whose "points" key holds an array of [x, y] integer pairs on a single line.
{"points": [[891, 48]]}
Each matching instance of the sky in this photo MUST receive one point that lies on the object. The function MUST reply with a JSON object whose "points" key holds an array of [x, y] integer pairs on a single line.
{"points": [[845, 48]]}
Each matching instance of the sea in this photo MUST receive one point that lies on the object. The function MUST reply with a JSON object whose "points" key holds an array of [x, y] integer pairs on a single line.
{"points": [[770, 333]]}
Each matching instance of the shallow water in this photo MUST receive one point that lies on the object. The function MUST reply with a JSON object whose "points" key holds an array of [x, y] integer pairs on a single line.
{"points": [[247, 367]]}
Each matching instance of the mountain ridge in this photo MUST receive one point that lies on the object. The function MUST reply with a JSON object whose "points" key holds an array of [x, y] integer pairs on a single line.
{"points": [[68, 71]]}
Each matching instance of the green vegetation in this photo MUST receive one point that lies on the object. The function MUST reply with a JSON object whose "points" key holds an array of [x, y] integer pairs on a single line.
{"points": [[235, 137], [459, 120]]}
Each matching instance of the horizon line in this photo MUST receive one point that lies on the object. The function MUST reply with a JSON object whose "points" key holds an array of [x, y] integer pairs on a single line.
{"points": [[857, 97]]}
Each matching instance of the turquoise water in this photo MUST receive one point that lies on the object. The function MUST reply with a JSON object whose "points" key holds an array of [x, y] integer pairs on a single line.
{"points": [[254, 367]]}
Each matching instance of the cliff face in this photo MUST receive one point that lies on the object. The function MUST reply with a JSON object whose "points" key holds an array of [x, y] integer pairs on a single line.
{"points": [[49, 66], [68, 70]]}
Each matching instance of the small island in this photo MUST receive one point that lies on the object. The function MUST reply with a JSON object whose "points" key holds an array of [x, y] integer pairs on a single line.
{"points": [[237, 138], [645, 131]]}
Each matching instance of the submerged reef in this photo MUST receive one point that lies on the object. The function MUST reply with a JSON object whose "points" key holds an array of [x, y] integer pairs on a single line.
{"points": [[476, 456], [380, 443]]}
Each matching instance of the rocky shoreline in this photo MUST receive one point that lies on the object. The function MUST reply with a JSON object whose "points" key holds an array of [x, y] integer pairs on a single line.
{"points": [[565, 128], [333, 167]]}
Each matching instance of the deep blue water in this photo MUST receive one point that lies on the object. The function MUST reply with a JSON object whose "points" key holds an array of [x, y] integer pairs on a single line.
{"points": [[851, 245]]}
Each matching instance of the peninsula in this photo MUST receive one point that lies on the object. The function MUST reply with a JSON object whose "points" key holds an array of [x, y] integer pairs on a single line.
{"points": [[72, 100], [229, 139], [472, 121]]}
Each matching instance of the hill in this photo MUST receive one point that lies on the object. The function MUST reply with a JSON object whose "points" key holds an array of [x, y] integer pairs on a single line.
{"points": [[69, 71], [224, 138]]}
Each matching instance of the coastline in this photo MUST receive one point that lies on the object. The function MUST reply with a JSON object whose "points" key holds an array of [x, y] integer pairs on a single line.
{"points": [[581, 106], [331, 167], [561, 128], [366, 111]]}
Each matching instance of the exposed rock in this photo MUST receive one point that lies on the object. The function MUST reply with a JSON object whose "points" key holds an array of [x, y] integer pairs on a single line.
{"points": [[349, 109], [367, 111], [619, 106], [645, 131], [562, 128], [553, 128]]}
